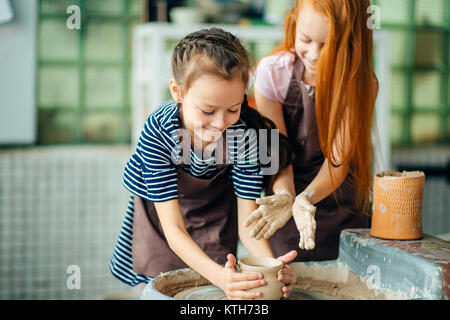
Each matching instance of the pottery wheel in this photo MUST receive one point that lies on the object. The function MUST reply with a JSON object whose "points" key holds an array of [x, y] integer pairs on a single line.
{"points": [[211, 292], [208, 292]]}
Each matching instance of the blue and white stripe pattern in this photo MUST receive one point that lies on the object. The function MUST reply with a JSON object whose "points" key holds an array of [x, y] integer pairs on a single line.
{"points": [[121, 263], [151, 174]]}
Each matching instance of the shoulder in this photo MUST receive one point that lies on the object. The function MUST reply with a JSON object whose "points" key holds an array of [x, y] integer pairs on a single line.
{"points": [[160, 128], [163, 120], [273, 75], [279, 63], [163, 116]]}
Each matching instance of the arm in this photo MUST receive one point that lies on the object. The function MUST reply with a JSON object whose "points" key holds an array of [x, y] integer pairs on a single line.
{"points": [[321, 186], [254, 247], [274, 111], [274, 211], [172, 223], [325, 182], [328, 179], [231, 282]]}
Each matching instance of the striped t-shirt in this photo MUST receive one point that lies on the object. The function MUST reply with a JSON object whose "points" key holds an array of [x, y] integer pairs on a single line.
{"points": [[151, 171]]}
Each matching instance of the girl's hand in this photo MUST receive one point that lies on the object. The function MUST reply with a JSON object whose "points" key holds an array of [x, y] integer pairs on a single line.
{"points": [[304, 213], [235, 284], [273, 213], [287, 274]]}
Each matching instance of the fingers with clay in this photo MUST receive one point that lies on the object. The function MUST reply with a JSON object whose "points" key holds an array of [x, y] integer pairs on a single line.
{"points": [[287, 274], [304, 217], [273, 213]]}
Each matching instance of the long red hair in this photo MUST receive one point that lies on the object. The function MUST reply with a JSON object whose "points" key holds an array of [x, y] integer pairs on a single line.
{"points": [[346, 86]]}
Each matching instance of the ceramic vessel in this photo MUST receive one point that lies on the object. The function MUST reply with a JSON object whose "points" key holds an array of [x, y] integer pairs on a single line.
{"points": [[397, 205], [269, 267]]}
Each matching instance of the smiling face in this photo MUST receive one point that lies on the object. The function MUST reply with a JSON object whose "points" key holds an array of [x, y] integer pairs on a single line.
{"points": [[311, 35], [209, 106]]}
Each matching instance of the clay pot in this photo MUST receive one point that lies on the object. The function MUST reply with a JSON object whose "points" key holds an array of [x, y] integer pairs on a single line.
{"points": [[269, 267], [397, 205]]}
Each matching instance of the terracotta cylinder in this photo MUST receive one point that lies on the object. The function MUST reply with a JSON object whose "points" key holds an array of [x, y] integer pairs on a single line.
{"points": [[397, 205]]}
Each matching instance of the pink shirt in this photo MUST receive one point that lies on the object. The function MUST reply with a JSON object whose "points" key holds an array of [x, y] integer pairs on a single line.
{"points": [[273, 75]]}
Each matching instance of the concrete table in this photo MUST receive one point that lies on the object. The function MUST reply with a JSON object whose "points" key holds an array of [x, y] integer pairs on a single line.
{"points": [[418, 269]]}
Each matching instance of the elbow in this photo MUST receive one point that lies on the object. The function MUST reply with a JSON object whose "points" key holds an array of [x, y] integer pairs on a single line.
{"points": [[337, 175], [244, 234]]}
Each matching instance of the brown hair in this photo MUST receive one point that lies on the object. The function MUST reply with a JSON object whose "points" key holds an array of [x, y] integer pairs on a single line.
{"points": [[209, 51], [346, 86], [218, 52]]}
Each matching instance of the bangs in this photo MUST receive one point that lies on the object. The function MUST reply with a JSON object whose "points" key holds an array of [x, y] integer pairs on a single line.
{"points": [[201, 65]]}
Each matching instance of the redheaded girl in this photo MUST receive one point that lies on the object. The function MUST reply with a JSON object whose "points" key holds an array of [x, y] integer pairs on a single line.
{"points": [[319, 88]]}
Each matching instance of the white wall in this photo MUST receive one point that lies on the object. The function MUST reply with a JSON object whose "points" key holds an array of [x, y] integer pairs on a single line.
{"points": [[18, 74], [59, 207]]}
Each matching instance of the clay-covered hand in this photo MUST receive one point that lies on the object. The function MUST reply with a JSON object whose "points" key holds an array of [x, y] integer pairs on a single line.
{"points": [[235, 284], [287, 274], [272, 214], [304, 217]]}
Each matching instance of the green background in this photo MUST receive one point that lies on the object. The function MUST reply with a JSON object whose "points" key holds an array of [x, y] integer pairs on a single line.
{"points": [[84, 82]]}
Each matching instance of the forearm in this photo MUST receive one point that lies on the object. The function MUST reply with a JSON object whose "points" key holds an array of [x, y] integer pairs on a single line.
{"points": [[329, 178], [323, 185], [181, 243], [285, 181], [254, 247], [188, 250]]}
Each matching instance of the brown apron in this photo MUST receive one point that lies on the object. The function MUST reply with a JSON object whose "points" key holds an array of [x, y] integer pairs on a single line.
{"points": [[209, 210], [301, 124]]}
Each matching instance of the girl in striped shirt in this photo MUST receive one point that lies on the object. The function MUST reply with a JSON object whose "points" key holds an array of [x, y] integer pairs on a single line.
{"points": [[196, 173]]}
